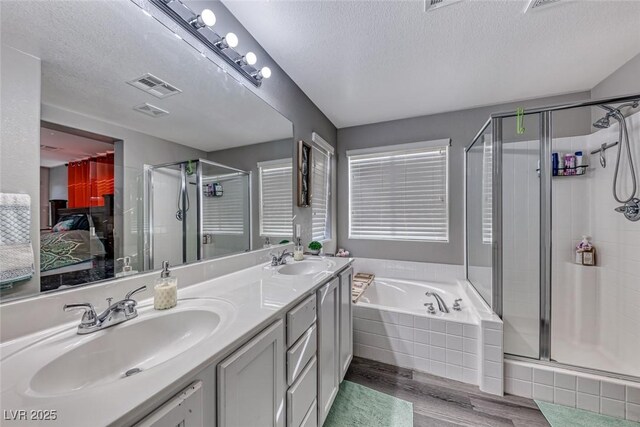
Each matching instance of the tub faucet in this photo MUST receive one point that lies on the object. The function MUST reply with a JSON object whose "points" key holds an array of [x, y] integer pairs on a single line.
{"points": [[442, 306]]}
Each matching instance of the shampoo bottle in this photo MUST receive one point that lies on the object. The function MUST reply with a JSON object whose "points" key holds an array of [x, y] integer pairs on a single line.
{"points": [[165, 289]]}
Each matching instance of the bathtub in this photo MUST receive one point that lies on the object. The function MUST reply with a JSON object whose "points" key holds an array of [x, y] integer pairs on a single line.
{"points": [[391, 325], [408, 296]]}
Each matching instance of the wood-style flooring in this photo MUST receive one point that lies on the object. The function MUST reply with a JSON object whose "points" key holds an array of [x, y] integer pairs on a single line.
{"points": [[441, 402]]}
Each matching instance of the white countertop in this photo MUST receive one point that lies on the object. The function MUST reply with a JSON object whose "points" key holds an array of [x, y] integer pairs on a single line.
{"points": [[258, 296]]}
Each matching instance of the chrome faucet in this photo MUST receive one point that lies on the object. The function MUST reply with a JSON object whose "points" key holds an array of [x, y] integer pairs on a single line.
{"points": [[117, 312], [281, 259], [442, 306]]}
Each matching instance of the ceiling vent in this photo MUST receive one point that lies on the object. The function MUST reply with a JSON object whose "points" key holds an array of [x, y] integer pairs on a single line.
{"points": [[540, 4], [431, 5], [155, 86], [49, 148], [151, 110]]}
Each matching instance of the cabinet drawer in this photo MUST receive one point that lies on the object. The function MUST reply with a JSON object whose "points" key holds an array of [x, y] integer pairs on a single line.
{"points": [[300, 318], [302, 394], [302, 351], [311, 419]]}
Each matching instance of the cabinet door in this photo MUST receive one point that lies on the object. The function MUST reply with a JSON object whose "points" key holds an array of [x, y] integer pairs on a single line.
{"points": [[346, 321], [328, 347], [251, 382], [184, 410]]}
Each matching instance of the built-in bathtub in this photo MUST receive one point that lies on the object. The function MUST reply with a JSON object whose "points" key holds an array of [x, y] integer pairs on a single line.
{"points": [[391, 324]]}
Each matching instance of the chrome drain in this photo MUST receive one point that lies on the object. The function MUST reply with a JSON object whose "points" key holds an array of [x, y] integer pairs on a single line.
{"points": [[132, 371]]}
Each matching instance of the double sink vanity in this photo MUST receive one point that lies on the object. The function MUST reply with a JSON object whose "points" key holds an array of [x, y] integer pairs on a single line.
{"points": [[265, 345]]}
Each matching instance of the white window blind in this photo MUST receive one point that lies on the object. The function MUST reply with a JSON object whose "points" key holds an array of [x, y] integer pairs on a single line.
{"points": [[276, 198], [487, 196], [400, 194], [226, 214], [320, 194]]}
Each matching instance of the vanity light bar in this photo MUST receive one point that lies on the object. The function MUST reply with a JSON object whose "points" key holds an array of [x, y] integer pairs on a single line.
{"points": [[199, 25]]}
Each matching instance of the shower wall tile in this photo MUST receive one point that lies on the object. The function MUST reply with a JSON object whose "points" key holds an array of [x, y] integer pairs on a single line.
{"points": [[564, 397], [588, 402], [616, 398], [633, 412], [612, 408]]}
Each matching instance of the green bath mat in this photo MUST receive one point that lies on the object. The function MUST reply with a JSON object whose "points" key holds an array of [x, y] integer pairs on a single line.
{"points": [[359, 406], [563, 416]]}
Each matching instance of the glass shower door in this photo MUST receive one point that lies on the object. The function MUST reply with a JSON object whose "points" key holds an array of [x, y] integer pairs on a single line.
{"points": [[520, 194]]}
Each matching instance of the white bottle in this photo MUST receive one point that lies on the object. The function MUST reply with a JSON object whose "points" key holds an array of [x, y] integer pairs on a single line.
{"points": [[298, 251]]}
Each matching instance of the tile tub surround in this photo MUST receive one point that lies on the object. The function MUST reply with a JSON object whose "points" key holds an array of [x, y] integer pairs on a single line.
{"points": [[409, 270], [467, 349], [17, 317], [599, 394]]}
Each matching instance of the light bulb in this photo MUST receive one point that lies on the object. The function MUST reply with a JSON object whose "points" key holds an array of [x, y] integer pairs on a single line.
{"points": [[265, 72], [207, 17], [251, 58], [231, 40]]}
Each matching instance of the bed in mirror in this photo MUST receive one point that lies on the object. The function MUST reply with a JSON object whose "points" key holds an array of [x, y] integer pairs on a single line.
{"points": [[140, 158]]}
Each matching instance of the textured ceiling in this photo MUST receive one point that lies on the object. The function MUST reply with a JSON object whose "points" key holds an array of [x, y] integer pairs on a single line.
{"points": [[90, 49], [69, 147], [371, 61]]}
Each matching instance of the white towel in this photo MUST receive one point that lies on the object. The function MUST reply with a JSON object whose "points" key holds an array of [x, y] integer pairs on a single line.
{"points": [[16, 252]]}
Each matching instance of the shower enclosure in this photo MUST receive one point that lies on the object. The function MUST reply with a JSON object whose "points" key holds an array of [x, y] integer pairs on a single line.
{"points": [[195, 210], [526, 213]]}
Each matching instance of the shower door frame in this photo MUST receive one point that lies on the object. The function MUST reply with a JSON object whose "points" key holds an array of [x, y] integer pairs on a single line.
{"points": [[148, 188], [200, 202], [545, 243]]}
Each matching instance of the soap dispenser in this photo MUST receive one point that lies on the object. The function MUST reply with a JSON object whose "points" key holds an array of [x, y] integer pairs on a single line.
{"points": [[127, 270], [165, 289]]}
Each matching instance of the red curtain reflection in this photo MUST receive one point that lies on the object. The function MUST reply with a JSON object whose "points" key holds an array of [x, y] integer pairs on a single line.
{"points": [[89, 179]]}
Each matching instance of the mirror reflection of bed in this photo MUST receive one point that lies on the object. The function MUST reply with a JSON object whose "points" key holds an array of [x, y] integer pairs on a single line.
{"points": [[77, 202]]}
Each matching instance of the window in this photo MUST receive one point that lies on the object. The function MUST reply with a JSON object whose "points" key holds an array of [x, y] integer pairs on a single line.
{"points": [[276, 198], [320, 189], [400, 192], [487, 196], [226, 215]]}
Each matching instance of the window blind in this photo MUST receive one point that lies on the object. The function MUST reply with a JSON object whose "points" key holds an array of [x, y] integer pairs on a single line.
{"points": [[276, 200], [400, 194], [487, 196], [226, 214], [320, 194]]}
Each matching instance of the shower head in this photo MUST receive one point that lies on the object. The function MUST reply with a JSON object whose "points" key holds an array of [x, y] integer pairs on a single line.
{"points": [[602, 123]]}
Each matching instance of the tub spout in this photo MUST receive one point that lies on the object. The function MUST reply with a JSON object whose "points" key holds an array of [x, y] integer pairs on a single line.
{"points": [[442, 306]]}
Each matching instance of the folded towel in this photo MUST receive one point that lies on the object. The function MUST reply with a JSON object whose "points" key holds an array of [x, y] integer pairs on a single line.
{"points": [[16, 252]]}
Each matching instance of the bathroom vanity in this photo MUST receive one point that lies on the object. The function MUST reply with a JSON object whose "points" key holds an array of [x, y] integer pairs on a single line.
{"points": [[259, 346]]}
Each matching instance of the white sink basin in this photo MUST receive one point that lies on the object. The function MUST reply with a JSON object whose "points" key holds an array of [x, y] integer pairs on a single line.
{"points": [[306, 267], [78, 362]]}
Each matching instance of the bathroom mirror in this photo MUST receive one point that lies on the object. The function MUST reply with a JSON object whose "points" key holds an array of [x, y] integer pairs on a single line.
{"points": [[132, 147]]}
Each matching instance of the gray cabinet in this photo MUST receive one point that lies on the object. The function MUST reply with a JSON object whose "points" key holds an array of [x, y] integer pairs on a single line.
{"points": [[346, 321], [252, 383], [328, 347], [185, 410]]}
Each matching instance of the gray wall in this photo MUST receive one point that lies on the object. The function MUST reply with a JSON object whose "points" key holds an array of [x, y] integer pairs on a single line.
{"points": [[20, 144], [247, 158], [281, 93], [58, 183], [44, 197], [461, 127], [624, 81]]}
